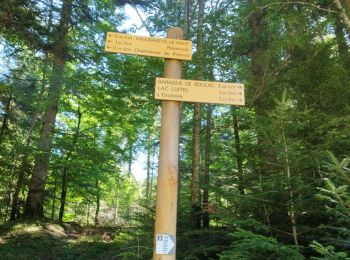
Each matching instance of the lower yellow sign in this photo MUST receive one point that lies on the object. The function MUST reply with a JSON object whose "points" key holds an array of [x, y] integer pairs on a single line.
{"points": [[200, 91]]}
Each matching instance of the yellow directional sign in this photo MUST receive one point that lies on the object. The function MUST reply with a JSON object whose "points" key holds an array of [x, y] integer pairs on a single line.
{"points": [[149, 46], [199, 91]]}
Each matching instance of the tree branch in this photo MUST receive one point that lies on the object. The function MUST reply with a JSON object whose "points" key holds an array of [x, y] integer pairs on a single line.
{"points": [[299, 3], [343, 15], [142, 21]]}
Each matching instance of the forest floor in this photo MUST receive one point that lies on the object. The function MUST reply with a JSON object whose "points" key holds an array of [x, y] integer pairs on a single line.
{"points": [[51, 240]]}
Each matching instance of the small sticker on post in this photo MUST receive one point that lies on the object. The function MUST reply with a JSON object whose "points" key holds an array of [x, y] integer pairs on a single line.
{"points": [[165, 244]]}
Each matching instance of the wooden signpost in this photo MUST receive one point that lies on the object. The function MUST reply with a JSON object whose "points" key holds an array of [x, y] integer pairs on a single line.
{"points": [[172, 90]]}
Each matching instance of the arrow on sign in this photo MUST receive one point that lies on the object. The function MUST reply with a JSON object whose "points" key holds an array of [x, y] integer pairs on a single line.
{"points": [[165, 244]]}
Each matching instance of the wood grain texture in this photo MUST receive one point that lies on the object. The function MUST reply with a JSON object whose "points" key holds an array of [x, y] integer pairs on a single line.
{"points": [[167, 182]]}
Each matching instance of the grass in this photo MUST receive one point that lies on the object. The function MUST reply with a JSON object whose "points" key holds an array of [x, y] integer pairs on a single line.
{"points": [[50, 240]]}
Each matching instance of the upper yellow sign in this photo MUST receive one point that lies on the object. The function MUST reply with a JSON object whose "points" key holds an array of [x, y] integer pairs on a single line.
{"points": [[149, 46], [200, 91]]}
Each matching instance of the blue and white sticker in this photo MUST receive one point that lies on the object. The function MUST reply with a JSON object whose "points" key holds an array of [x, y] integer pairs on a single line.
{"points": [[165, 244]]}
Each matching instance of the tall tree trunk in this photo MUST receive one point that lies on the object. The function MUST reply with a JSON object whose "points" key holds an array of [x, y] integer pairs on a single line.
{"points": [[5, 118], [35, 200], [63, 192], [347, 6], [130, 156], [88, 214], [53, 208], [98, 195], [238, 152], [196, 201], [8, 189], [343, 13], [291, 189], [206, 217], [66, 166], [185, 28], [115, 209], [196, 208], [24, 168], [343, 47], [186, 18], [152, 171], [149, 153], [18, 186], [259, 95], [116, 203]]}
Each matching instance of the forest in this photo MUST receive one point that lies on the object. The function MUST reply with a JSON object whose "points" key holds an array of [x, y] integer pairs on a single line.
{"points": [[268, 180]]}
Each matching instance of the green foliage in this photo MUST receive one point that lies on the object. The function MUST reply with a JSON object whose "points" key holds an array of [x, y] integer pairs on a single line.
{"points": [[338, 196], [248, 245], [202, 244], [336, 188], [334, 194], [327, 252]]}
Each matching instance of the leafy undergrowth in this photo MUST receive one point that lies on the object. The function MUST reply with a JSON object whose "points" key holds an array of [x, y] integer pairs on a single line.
{"points": [[50, 240]]}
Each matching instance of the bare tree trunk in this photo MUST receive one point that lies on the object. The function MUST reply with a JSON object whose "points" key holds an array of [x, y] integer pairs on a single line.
{"points": [[116, 204], [115, 209], [66, 166], [149, 153], [347, 6], [88, 214], [18, 186], [7, 192], [258, 58], [130, 156], [185, 28], [5, 118], [343, 47], [291, 190], [238, 152], [343, 12], [152, 171], [196, 201], [186, 18], [196, 208], [35, 200], [53, 208], [206, 214], [97, 222], [63, 192], [259, 95], [24, 168]]}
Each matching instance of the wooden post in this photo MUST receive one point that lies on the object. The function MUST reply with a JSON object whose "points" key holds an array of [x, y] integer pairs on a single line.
{"points": [[167, 181]]}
